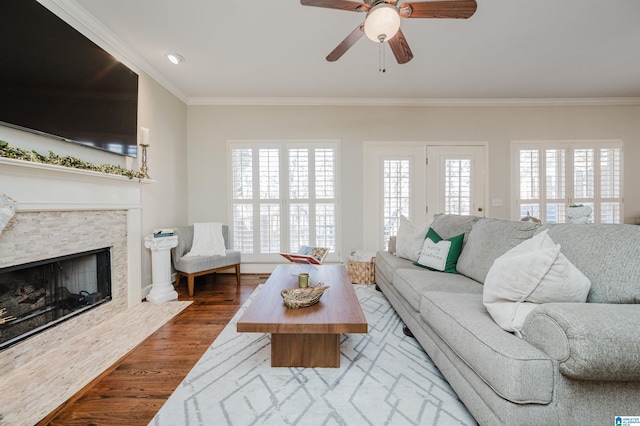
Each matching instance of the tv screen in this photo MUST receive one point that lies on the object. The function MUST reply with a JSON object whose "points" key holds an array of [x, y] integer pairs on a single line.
{"points": [[56, 82]]}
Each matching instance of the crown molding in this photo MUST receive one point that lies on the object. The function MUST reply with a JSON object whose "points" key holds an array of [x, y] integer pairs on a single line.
{"points": [[76, 16], [406, 102]]}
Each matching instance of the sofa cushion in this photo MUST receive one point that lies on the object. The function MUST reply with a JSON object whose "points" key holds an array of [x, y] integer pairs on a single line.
{"points": [[607, 254], [386, 265], [513, 368], [411, 284], [440, 254], [488, 240], [189, 265], [529, 274], [450, 225]]}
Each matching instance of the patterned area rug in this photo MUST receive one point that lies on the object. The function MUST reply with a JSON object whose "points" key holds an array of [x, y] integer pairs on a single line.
{"points": [[385, 378]]}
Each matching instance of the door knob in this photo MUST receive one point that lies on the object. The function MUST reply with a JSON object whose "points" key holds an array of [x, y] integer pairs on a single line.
{"points": [[479, 209]]}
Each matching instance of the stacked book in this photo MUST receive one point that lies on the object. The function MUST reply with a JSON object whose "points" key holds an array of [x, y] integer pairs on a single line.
{"points": [[165, 232]]}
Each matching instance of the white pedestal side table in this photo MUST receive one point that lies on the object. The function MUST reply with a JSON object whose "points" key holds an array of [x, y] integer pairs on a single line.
{"points": [[161, 288]]}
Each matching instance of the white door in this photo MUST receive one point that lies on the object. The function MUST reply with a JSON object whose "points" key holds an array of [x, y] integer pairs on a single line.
{"points": [[394, 176], [455, 180], [397, 180]]}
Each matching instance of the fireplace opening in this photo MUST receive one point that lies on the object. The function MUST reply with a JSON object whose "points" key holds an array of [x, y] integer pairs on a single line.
{"points": [[38, 295]]}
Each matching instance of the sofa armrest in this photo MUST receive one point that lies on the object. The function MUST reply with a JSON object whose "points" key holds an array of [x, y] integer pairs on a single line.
{"points": [[392, 244], [591, 341]]}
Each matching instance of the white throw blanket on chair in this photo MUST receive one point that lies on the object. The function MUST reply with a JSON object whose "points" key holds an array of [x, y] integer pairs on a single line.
{"points": [[207, 240]]}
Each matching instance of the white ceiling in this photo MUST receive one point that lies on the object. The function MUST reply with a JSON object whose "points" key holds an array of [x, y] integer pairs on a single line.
{"points": [[510, 49]]}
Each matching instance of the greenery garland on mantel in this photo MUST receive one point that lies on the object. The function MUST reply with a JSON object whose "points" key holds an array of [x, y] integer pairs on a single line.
{"points": [[9, 151]]}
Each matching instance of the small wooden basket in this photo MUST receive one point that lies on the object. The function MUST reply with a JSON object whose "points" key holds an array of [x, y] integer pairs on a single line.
{"points": [[362, 272], [295, 298]]}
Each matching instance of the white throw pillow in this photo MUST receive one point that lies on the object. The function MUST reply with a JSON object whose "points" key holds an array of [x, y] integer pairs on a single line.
{"points": [[410, 238], [531, 273], [434, 255], [207, 240]]}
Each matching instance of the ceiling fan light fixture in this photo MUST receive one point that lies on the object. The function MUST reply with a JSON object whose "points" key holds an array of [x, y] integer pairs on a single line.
{"points": [[382, 22]]}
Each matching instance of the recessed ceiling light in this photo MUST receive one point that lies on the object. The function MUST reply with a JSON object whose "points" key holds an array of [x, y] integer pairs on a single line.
{"points": [[174, 58]]}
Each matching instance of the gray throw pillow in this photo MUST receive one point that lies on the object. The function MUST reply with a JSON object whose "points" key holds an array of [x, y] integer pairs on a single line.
{"points": [[450, 225]]}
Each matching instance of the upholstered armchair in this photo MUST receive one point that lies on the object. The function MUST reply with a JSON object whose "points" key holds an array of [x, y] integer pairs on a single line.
{"points": [[195, 266]]}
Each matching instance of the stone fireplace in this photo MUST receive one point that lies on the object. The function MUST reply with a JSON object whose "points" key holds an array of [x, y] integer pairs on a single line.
{"points": [[39, 295], [61, 212]]}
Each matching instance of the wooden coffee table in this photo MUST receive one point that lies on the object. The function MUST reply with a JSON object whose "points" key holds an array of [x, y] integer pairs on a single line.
{"points": [[305, 337]]}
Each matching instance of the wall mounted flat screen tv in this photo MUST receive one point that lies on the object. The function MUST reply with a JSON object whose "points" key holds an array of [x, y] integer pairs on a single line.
{"points": [[56, 82]]}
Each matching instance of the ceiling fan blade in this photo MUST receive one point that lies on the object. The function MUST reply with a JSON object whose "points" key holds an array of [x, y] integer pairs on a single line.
{"points": [[338, 4], [458, 9], [349, 41], [400, 48]]}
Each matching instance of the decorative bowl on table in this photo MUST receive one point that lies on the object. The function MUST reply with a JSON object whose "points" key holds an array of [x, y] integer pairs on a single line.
{"points": [[295, 298]]}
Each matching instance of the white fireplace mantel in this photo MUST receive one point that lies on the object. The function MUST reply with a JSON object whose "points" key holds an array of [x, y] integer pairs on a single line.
{"points": [[45, 187], [53, 187]]}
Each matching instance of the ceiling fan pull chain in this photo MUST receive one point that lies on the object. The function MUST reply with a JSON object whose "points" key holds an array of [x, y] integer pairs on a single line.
{"points": [[381, 60]]}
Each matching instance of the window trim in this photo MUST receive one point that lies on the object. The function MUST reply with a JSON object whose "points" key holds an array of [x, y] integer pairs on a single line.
{"points": [[284, 145], [569, 146], [383, 159]]}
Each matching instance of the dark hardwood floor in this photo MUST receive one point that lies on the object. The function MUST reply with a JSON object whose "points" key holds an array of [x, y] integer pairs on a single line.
{"points": [[134, 389]]}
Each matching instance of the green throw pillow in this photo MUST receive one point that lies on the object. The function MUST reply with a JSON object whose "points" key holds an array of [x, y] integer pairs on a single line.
{"points": [[438, 254]]}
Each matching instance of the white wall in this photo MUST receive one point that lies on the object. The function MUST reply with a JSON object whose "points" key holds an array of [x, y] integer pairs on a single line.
{"points": [[164, 202], [210, 127]]}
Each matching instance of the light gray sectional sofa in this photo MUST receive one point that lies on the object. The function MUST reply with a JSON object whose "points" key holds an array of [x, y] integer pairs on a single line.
{"points": [[577, 363]]}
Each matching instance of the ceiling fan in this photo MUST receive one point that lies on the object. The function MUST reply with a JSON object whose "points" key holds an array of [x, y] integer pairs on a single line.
{"points": [[382, 22]]}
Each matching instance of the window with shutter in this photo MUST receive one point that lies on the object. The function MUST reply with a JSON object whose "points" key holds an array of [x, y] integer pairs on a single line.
{"points": [[552, 176], [396, 194], [284, 196]]}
